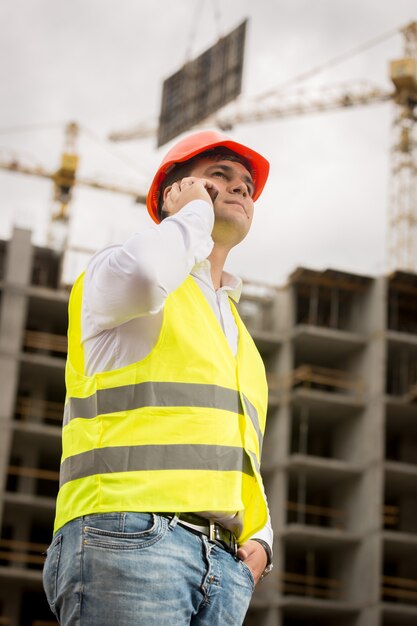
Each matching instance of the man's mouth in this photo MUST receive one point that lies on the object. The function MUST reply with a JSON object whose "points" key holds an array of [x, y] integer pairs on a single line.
{"points": [[240, 204]]}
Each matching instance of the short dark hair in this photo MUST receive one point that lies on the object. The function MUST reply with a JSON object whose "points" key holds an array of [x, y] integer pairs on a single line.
{"points": [[182, 170]]}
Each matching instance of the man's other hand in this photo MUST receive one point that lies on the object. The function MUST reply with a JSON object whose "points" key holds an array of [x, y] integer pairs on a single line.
{"points": [[254, 556]]}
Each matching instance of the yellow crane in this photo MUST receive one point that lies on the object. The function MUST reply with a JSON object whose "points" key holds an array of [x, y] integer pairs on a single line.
{"points": [[402, 247], [65, 178]]}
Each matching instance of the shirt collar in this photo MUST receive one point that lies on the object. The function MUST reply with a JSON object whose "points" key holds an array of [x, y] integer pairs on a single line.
{"points": [[231, 283]]}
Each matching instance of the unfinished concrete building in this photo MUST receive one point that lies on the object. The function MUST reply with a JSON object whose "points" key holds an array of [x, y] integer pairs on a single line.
{"points": [[340, 451]]}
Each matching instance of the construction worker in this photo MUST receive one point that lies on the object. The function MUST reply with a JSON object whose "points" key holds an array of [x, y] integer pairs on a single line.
{"points": [[161, 514]]}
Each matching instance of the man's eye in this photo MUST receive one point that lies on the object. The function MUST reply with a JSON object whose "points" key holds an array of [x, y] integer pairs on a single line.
{"points": [[219, 173]]}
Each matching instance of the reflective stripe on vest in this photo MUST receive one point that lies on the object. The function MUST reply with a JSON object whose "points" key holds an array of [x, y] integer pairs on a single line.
{"points": [[169, 457], [129, 397]]}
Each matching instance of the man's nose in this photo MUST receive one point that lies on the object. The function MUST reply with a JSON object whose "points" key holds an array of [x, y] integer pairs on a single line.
{"points": [[238, 186]]}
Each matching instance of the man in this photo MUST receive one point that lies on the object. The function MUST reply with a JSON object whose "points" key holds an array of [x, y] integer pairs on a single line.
{"points": [[161, 514]]}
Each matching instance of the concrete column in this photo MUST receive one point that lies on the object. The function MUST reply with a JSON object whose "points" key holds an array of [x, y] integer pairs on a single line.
{"points": [[12, 324], [364, 498], [284, 366]]}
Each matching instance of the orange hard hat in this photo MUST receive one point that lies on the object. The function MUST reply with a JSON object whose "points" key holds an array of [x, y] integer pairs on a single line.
{"points": [[192, 145]]}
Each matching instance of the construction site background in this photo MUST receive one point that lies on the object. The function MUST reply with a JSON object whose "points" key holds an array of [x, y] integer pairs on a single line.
{"points": [[340, 450]]}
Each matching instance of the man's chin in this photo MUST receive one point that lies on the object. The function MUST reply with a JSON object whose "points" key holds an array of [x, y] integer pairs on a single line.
{"points": [[233, 228]]}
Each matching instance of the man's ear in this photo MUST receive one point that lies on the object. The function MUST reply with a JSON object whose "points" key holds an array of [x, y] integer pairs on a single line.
{"points": [[166, 192]]}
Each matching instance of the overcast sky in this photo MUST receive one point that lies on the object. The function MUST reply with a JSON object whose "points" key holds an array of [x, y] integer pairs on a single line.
{"points": [[102, 63]]}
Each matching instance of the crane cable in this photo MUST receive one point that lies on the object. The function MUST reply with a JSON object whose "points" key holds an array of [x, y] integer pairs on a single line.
{"points": [[195, 24], [334, 61], [198, 11]]}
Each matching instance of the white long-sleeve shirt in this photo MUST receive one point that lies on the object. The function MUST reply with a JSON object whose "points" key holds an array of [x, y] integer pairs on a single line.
{"points": [[125, 289]]}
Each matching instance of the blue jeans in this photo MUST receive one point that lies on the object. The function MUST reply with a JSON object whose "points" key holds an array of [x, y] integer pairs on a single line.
{"points": [[142, 569]]}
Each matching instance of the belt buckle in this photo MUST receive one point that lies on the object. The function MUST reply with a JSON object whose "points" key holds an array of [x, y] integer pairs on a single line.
{"points": [[214, 535]]}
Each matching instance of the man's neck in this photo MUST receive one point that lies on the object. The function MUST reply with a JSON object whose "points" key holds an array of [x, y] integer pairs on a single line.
{"points": [[217, 260]]}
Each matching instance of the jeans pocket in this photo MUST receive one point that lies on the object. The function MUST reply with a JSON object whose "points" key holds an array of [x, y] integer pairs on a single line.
{"points": [[248, 573], [127, 531], [50, 571]]}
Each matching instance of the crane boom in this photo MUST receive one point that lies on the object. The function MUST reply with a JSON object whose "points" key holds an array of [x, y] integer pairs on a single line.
{"points": [[14, 165], [278, 105], [302, 104], [141, 131]]}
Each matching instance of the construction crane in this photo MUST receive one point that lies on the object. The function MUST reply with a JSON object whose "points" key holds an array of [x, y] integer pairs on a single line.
{"points": [[64, 180], [402, 246]]}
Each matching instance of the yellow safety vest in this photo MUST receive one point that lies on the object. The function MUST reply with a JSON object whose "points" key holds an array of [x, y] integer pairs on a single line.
{"points": [[181, 430]]}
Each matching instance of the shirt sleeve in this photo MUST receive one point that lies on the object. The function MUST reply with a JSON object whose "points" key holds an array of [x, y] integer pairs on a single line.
{"points": [[126, 281], [266, 533]]}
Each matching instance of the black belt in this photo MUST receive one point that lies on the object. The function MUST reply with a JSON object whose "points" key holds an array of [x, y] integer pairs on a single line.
{"points": [[216, 533]]}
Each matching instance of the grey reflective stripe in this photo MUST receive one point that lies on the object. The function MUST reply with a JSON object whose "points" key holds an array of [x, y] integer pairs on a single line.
{"points": [[163, 394], [155, 457], [168, 394], [255, 461], [253, 414], [129, 397]]}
